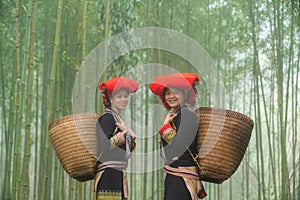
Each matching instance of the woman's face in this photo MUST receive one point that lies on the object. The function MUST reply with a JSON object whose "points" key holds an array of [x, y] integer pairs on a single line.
{"points": [[174, 97], [119, 100]]}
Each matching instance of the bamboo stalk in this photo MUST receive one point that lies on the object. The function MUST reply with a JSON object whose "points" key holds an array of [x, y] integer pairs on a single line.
{"points": [[16, 180], [72, 188], [7, 183], [72, 184], [269, 130], [106, 34], [57, 101], [157, 59], [51, 97], [159, 184], [297, 119], [282, 129], [291, 78], [43, 118], [146, 145], [257, 148], [62, 193], [36, 138], [27, 142], [77, 62], [4, 137], [84, 20], [10, 185], [258, 129], [56, 185]]}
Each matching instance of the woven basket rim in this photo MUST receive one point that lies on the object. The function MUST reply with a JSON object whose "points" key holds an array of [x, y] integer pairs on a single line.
{"points": [[229, 113], [62, 118]]}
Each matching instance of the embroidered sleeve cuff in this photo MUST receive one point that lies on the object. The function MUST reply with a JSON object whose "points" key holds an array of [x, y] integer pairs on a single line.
{"points": [[167, 132], [165, 129], [117, 139]]}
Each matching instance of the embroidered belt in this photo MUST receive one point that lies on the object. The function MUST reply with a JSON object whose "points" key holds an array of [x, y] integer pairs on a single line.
{"points": [[109, 195], [191, 180]]}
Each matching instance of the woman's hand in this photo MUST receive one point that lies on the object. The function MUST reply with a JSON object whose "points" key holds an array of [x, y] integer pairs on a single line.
{"points": [[122, 126], [133, 136], [169, 118]]}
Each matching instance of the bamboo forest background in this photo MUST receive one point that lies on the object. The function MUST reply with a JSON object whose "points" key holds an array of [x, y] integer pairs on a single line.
{"points": [[254, 44]]}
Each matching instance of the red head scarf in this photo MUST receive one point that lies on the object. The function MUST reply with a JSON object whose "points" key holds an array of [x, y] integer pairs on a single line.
{"points": [[108, 87], [183, 81], [118, 83]]}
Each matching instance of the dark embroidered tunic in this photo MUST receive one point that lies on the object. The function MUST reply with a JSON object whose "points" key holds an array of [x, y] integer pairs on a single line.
{"points": [[113, 148], [176, 137]]}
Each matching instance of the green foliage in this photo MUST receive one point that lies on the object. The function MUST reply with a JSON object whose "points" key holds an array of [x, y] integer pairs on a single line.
{"points": [[123, 18]]}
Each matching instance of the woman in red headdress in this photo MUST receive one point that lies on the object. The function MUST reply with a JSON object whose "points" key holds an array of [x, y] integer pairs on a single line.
{"points": [[179, 135], [116, 141]]}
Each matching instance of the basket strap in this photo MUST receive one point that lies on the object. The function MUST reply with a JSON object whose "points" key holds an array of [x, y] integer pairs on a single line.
{"points": [[128, 140], [194, 157], [115, 116]]}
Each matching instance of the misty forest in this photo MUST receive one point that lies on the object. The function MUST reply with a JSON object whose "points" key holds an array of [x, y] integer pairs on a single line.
{"points": [[251, 49]]}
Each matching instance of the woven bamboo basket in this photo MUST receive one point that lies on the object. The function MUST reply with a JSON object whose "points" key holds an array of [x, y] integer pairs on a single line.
{"points": [[223, 137], [75, 143]]}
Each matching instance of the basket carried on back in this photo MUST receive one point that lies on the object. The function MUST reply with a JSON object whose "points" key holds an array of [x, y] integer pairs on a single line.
{"points": [[75, 142], [223, 136]]}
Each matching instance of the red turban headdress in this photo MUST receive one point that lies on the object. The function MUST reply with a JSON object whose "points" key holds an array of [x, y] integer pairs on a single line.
{"points": [[108, 87], [118, 83], [183, 81]]}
